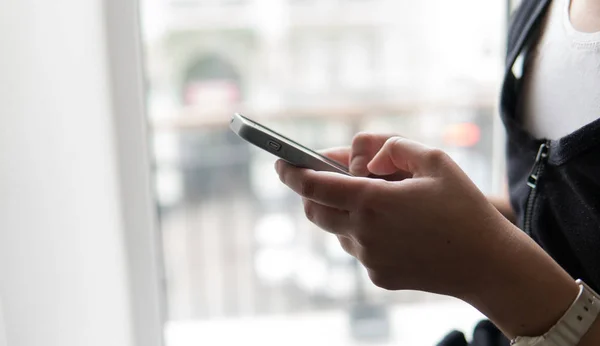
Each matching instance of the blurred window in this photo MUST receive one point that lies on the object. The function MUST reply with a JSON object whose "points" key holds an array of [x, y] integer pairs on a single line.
{"points": [[242, 263]]}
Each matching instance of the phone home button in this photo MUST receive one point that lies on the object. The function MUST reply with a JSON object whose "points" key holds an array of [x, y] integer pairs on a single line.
{"points": [[273, 145]]}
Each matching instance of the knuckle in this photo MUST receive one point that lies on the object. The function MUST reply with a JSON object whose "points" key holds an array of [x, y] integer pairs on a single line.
{"points": [[393, 140], [310, 210], [366, 255], [308, 187], [390, 142], [435, 157], [346, 244], [380, 279], [360, 139], [364, 238]]}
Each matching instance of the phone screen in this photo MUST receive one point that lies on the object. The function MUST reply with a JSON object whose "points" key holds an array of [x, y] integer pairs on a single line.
{"points": [[291, 142]]}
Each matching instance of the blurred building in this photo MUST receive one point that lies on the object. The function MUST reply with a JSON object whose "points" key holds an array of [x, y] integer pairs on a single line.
{"points": [[235, 241], [273, 55]]}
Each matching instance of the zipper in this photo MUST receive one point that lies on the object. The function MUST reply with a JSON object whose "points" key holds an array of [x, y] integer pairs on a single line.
{"points": [[532, 181]]}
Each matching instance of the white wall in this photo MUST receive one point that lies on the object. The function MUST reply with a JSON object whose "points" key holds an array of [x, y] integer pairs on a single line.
{"points": [[64, 268], [2, 331]]}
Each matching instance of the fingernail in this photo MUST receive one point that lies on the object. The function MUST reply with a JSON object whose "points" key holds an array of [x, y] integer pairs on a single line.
{"points": [[370, 166]]}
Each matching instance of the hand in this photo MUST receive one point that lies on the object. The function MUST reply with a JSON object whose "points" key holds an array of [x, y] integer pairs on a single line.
{"points": [[427, 232], [434, 231], [363, 150]]}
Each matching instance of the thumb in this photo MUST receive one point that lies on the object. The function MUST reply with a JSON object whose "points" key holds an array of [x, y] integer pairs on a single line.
{"points": [[403, 154]]}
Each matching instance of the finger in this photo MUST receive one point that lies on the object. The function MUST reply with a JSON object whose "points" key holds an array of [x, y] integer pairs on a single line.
{"points": [[347, 244], [396, 176], [403, 154], [341, 154], [328, 219], [364, 148], [330, 189]]}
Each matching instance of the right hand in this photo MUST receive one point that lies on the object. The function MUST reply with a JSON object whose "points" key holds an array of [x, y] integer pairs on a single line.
{"points": [[366, 145], [433, 231]]}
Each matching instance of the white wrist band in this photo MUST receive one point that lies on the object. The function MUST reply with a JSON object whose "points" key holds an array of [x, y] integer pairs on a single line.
{"points": [[569, 330]]}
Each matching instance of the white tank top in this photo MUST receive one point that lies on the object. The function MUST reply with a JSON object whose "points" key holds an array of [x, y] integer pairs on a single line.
{"points": [[561, 86]]}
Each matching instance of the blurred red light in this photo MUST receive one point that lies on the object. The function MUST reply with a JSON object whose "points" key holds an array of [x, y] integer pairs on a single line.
{"points": [[462, 135]]}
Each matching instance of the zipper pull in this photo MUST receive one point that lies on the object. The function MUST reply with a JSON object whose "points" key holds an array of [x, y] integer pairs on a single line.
{"points": [[535, 171]]}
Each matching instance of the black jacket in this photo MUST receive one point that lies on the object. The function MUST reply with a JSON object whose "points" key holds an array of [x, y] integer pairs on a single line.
{"points": [[554, 184]]}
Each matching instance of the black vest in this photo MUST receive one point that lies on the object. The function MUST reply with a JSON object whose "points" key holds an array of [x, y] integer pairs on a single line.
{"points": [[554, 184]]}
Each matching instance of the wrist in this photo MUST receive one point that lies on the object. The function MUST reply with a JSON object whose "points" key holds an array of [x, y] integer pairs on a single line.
{"points": [[523, 291], [592, 337], [573, 326]]}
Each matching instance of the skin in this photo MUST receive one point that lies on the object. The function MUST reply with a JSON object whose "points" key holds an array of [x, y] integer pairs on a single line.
{"points": [[502, 204], [585, 15], [433, 230]]}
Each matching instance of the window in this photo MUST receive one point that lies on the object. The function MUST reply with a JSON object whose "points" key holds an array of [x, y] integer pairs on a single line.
{"points": [[242, 264], [313, 63], [356, 63]]}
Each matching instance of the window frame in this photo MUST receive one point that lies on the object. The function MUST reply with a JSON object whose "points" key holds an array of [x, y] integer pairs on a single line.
{"points": [[138, 203]]}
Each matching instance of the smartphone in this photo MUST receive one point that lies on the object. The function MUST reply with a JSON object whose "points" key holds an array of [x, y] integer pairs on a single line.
{"points": [[283, 147]]}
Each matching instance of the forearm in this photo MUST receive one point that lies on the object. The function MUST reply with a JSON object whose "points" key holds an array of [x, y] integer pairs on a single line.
{"points": [[523, 291]]}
